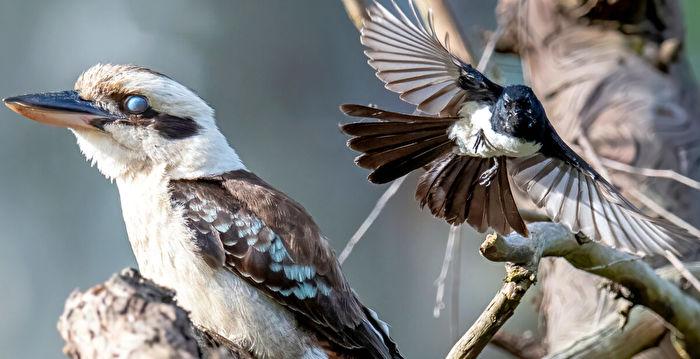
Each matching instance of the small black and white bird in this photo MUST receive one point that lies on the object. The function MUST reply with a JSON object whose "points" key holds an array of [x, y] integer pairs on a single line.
{"points": [[477, 136], [247, 261]]}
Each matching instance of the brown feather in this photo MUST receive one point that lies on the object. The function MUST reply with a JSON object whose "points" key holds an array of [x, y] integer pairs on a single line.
{"points": [[402, 166], [371, 112], [478, 204], [451, 190], [375, 159], [385, 142], [391, 128], [462, 195], [434, 174], [263, 234], [400, 145]]}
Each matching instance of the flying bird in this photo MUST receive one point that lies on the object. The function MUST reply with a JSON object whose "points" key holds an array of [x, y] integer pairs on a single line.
{"points": [[475, 137], [244, 259]]}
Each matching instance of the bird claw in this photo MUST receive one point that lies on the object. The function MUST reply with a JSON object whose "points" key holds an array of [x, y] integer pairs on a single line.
{"points": [[488, 175]]}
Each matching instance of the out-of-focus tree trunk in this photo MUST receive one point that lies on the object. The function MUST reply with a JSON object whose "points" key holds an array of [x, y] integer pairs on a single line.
{"points": [[614, 72]]}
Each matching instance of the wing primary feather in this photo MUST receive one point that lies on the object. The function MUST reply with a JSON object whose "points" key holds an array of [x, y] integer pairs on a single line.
{"points": [[558, 195], [411, 60]]}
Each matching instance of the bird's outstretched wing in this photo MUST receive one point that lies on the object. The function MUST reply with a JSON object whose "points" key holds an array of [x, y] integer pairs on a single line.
{"points": [[574, 194], [269, 240], [410, 59]]}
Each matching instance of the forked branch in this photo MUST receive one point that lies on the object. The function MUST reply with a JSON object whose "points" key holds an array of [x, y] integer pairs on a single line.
{"points": [[645, 286]]}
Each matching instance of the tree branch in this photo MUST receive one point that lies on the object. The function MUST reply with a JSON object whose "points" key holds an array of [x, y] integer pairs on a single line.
{"points": [[446, 26], [518, 280], [356, 10], [651, 172], [521, 268], [129, 316], [610, 340], [520, 347], [645, 286], [371, 217]]}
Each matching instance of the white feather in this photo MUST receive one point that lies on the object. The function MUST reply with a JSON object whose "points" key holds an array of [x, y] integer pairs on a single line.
{"points": [[476, 118], [123, 150]]}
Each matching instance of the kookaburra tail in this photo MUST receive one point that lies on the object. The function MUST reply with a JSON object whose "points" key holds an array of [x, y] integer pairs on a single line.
{"points": [[244, 259], [474, 136]]}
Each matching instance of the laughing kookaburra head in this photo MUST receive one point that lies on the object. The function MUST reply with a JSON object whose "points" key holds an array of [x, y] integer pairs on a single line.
{"points": [[248, 262]]}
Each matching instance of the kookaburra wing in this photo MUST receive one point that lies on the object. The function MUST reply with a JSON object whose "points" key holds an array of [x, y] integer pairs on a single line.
{"points": [[244, 259], [483, 134]]}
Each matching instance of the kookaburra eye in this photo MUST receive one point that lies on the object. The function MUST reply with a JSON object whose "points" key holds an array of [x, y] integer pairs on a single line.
{"points": [[136, 104]]}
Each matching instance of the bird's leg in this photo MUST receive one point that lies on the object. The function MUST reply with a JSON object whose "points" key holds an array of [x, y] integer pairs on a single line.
{"points": [[488, 175], [479, 141]]}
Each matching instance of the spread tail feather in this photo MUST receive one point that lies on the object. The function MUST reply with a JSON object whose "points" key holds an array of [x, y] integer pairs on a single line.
{"points": [[462, 188], [397, 145]]}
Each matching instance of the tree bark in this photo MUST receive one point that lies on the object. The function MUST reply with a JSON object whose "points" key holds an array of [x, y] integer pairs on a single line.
{"points": [[131, 317]]}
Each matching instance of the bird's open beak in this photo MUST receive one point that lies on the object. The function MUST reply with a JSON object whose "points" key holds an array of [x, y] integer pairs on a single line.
{"points": [[65, 109]]}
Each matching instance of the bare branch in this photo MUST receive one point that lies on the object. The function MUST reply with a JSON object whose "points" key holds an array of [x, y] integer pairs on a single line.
{"points": [[653, 206], [381, 202], [591, 154], [452, 239], [646, 287], [518, 280], [356, 10], [446, 26], [650, 172], [454, 301], [642, 329], [610, 341], [521, 267], [520, 347], [493, 40]]}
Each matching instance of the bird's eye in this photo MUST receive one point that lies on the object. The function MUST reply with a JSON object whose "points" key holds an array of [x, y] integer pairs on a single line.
{"points": [[136, 104]]}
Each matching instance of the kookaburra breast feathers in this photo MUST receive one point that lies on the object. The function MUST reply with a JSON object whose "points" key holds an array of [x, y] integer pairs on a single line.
{"points": [[244, 259], [475, 137]]}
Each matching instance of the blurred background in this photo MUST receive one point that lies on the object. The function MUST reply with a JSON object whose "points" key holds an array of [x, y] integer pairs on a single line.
{"points": [[275, 71]]}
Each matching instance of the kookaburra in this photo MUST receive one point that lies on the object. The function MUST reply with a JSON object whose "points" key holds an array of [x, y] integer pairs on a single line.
{"points": [[475, 136], [247, 261]]}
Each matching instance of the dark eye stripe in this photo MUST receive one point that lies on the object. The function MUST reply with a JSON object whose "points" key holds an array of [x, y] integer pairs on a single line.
{"points": [[175, 128]]}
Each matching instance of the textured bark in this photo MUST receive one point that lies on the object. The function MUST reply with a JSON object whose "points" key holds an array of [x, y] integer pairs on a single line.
{"points": [[518, 280], [130, 317]]}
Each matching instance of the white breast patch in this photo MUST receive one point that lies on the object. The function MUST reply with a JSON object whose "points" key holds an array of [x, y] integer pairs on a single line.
{"points": [[216, 299], [476, 118]]}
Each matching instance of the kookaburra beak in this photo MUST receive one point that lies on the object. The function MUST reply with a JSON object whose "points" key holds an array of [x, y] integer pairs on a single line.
{"points": [[64, 108]]}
